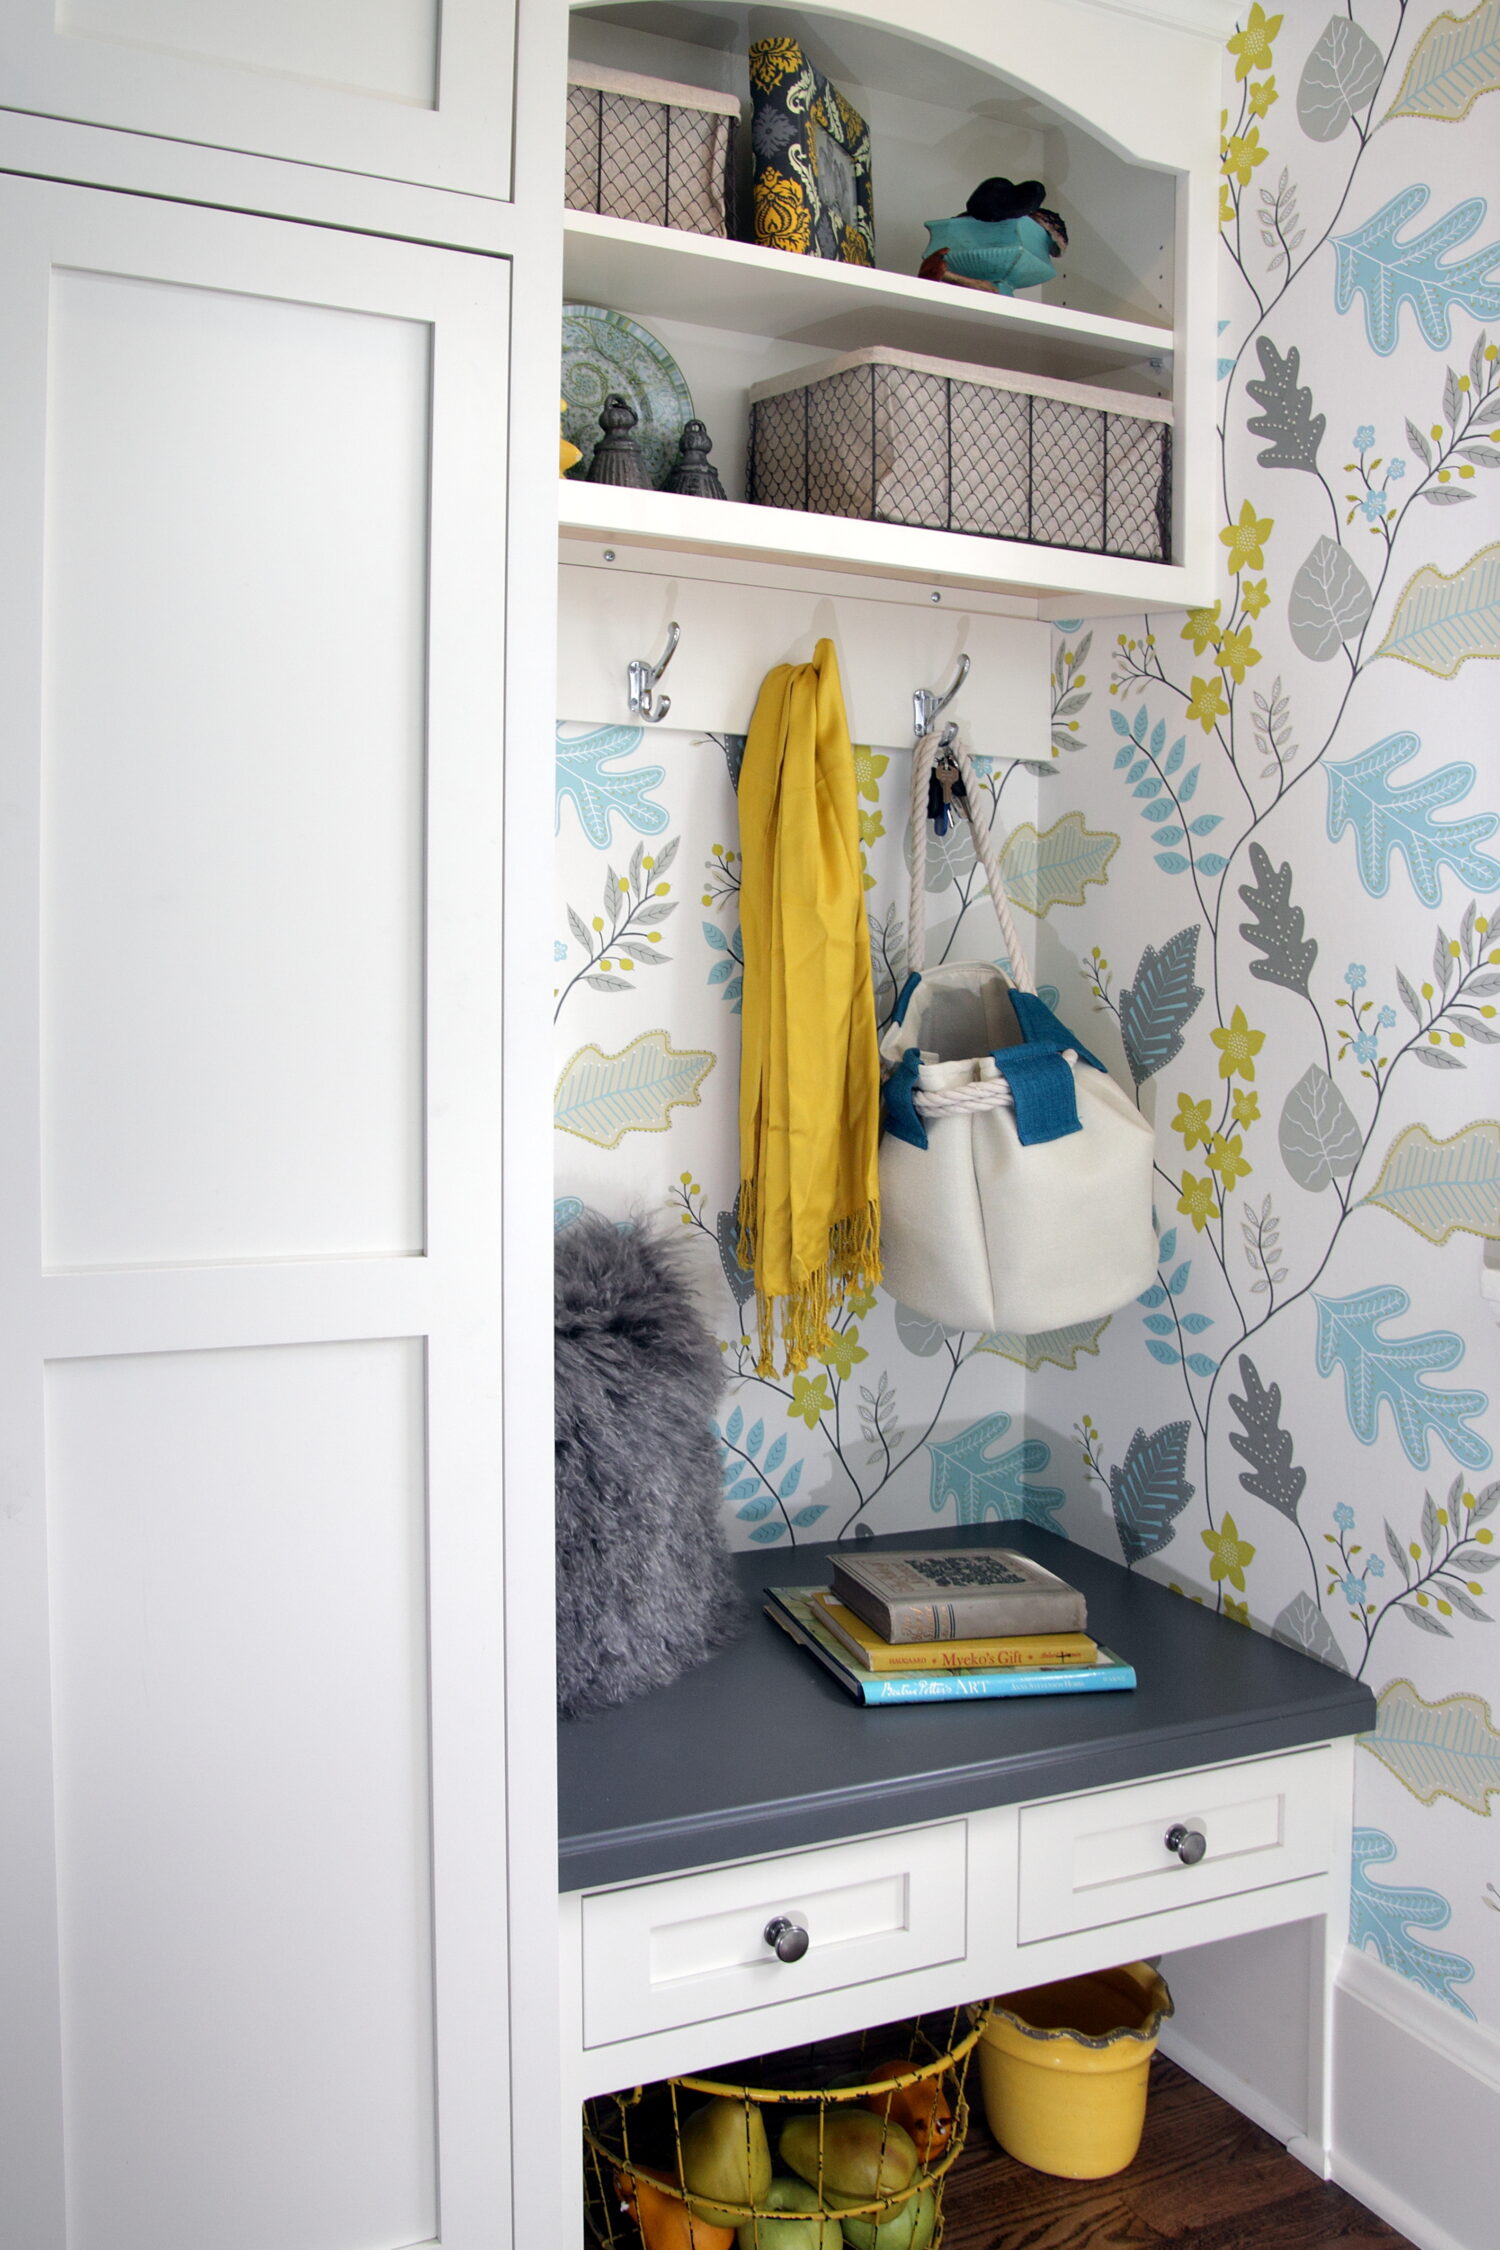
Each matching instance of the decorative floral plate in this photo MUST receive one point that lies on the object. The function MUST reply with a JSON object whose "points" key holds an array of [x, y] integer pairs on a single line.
{"points": [[605, 351]]}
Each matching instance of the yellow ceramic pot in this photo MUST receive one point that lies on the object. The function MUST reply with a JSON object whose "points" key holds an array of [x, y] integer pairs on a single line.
{"points": [[1064, 2069]]}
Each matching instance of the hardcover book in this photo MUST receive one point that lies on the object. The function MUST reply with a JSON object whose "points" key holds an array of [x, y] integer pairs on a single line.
{"points": [[1015, 1652], [947, 1593], [791, 1608]]}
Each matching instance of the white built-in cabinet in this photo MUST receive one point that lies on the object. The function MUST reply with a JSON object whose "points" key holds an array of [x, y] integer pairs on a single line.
{"points": [[411, 90], [279, 289]]}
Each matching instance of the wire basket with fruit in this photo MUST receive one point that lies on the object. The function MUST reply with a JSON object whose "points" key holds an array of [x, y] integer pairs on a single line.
{"points": [[842, 2145]]}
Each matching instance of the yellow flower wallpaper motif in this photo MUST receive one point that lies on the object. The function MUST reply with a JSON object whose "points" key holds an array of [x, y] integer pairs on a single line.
{"points": [[869, 766], [1197, 1201], [844, 1353], [1202, 628], [1237, 653], [1227, 1158], [1251, 46], [1246, 539], [1242, 153], [810, 1398], [1206, 703], [1191, 1120], [1228, 1554], [1238, 1046]]}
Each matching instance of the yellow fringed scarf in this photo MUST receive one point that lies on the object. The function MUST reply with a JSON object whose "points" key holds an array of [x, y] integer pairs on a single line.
{"points": [[809, 1202]]}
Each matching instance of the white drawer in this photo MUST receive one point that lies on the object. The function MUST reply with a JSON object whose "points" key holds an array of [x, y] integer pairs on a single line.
{"points": [[692, 1948], [1088, 1861]]}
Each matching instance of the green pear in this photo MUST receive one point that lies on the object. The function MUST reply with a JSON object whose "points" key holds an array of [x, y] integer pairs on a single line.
{"points": [[864, 2157], [909, 2227], [805, 2226], [726, 2159]]}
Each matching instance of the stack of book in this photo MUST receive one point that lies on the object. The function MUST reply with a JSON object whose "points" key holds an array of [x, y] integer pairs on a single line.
{"points": [[947, 1625]]}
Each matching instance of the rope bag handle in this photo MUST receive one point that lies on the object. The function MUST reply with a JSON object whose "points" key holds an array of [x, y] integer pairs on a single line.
{"points": [[1044, 1107], [924, 758]]}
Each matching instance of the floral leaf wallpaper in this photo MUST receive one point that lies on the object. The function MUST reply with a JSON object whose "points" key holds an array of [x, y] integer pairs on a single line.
{"points": [[901, 1420], [1313, 1460], [1259, 872]]}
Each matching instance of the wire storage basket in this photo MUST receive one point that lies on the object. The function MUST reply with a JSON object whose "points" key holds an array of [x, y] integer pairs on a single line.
{"points": [[853, 2136], [647, 150], [896, 437]]}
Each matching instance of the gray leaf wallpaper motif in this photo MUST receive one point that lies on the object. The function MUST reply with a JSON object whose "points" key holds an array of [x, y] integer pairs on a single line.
{"points": [[1261, 873], [1315, 1349]]}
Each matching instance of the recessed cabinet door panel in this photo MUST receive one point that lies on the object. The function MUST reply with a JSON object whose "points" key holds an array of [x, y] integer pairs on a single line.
{"points": [[253, 1726], [406, 89], [233, 776], [244, 1835]]}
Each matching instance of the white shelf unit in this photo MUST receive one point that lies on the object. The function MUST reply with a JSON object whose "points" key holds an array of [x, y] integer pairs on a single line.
{"points": [[749, 291], [1053, 581], [1114, 105]]}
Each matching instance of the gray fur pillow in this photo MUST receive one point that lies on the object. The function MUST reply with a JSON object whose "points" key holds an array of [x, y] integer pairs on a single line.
{"points": [[645, 1588]]}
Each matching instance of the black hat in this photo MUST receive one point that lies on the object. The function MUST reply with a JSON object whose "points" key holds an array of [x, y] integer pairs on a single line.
{"points": [[1005, 199]]}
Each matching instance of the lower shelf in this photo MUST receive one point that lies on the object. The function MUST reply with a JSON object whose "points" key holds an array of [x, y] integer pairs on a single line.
{"points": [[1062, 581]]}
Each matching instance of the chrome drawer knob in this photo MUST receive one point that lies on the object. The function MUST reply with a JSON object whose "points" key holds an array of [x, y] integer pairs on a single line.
{"points": [[787, 1939], [1188, 1843]]}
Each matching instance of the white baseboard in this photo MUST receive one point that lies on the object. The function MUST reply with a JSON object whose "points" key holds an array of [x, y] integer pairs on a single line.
{"points": [[1416, 2108], [1249, 2100]]}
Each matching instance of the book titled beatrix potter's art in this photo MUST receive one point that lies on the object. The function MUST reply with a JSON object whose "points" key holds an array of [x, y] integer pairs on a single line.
{"points": [[811, 153]]}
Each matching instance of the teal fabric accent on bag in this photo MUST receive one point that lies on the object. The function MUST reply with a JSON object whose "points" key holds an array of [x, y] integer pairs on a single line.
{"points": [[1041, 1086], [900, 1111], [1035, 1021]]}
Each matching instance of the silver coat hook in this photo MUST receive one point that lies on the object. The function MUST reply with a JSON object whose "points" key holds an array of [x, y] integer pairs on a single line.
{"points": [[644, 703], [926, 703]]}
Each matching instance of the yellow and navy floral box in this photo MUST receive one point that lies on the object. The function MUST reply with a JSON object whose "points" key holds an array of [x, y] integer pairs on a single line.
{"points": [[811, 152]]}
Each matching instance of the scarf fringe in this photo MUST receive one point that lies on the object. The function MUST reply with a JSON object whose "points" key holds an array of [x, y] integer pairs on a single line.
{"points": [[807, 1308]]}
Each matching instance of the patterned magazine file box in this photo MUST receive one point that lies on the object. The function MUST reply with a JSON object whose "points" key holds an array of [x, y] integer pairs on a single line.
{"points": [[645, 149], [898, 438], [811, 160]]}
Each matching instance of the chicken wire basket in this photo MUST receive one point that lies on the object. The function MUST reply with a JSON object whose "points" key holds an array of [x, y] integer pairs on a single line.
{"points": [[645, 2182], [647, 150], [894, 437]]}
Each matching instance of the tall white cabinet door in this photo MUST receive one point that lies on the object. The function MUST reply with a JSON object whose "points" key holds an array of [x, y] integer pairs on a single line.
{"points": [[415, 90], [253, 1845]]}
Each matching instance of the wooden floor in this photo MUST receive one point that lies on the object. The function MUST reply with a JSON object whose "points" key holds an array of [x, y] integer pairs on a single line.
{"points": [[1205, 2177]]}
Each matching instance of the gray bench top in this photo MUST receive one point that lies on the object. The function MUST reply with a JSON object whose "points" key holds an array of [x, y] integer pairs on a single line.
{"points": [[761, 1751]]}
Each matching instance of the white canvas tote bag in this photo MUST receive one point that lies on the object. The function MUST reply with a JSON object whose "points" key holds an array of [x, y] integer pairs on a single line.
{"points": [[1015, 1176]]}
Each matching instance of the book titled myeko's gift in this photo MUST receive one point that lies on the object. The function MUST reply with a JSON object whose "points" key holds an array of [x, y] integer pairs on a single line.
{"points": [[958, 1592], [974, 1653]]}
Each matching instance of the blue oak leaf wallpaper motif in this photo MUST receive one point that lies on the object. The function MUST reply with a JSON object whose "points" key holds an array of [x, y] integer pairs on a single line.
{"points": [[1297, 1422], [1257, 863]]}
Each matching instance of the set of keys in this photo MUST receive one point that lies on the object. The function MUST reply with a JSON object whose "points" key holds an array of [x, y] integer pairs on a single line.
{"points": [[945, 789]]}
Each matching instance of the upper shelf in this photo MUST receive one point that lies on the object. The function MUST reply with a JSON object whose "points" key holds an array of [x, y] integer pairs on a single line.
{"points": [[745, 290]]}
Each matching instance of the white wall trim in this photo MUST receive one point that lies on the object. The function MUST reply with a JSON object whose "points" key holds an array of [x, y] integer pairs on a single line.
{"points": [[1417, 2099], [1410, 2010], [1249, 2100]]}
